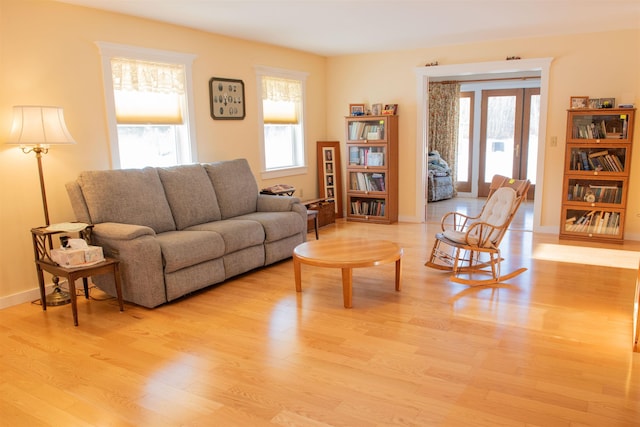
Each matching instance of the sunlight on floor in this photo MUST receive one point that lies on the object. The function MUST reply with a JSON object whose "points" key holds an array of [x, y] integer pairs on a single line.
{"points": [[586, 255]]}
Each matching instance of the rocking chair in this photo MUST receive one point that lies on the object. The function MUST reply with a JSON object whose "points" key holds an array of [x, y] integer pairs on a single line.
{"points": [[470, 246]]}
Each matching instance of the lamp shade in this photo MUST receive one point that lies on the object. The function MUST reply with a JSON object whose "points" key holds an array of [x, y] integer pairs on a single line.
{"points": [[38, 125]]}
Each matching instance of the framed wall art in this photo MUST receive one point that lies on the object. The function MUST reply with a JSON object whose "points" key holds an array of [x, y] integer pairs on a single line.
{"points": [[330, 173], [226, 98]]}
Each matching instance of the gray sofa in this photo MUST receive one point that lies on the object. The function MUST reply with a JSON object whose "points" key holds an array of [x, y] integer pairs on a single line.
{"points": [[179, 229]]}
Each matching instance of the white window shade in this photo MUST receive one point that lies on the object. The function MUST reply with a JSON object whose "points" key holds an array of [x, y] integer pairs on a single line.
{"points": [[280, 112], [148, 108], [148, 92], [281, 100]]}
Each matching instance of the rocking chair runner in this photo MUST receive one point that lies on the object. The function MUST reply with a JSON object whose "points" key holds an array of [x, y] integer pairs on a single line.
{"points": [[470, 246]]}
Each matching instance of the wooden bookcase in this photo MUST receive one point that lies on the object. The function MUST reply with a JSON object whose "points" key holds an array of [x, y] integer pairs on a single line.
{"points": [[372, 168], [596, 174]]}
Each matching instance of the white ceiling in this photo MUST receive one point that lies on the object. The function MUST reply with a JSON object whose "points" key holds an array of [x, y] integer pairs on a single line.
{"points": [[342, 27]]}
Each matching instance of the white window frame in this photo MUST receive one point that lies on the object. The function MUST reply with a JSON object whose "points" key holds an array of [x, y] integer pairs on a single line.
{"points": [[261, 72], [111, 50]]}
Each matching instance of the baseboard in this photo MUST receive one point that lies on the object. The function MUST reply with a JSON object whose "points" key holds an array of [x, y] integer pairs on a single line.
{"points": [[22, 297]]}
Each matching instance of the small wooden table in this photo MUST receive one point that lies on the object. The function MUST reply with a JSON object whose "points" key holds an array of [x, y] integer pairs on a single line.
{"points": [[346, 253], [42, 245]]}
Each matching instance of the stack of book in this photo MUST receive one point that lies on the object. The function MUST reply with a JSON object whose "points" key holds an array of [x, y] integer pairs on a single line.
{"points": [[596, 222]]}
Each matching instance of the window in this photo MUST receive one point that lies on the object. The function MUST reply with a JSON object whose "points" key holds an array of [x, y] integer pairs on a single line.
{"points": [[282, 102], [148, 106]]}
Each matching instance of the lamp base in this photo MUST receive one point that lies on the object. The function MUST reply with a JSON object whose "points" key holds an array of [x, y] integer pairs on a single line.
{"points": [[57, 296]]}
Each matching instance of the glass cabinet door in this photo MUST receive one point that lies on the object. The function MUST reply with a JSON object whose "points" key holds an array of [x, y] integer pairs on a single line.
{"points": [[367, 155], [600, 124], [597, 158], [366, 130]]}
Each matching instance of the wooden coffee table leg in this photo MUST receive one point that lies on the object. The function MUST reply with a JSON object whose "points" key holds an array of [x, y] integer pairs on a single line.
{"points": [[398, 273], [297, 274], [347, 286]]}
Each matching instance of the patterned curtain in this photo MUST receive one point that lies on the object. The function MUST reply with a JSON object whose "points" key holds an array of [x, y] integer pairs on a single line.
{"points": [[443, 121]]}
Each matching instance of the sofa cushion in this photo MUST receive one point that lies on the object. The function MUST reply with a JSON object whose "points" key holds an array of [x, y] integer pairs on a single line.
{"points": [[277, 225], [129, 196], [182, 249], [237, 234], [235, 187], [190, 195]]}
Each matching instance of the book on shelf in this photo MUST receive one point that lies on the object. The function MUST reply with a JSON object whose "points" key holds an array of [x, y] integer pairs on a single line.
{"points": [[367, 181], [601, 160], [365, 130], [596, 222], [375, 158], [373, 207]]}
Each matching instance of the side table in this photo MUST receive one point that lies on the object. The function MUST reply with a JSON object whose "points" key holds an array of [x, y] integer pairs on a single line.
{"points": [[42, 245]]}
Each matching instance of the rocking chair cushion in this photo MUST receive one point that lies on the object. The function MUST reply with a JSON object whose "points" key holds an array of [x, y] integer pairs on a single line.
{"points": [[496, 212], [499, 206], [460, 237]]}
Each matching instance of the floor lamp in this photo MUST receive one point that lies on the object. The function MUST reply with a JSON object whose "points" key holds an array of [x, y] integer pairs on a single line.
{"points": [[35, 128]]}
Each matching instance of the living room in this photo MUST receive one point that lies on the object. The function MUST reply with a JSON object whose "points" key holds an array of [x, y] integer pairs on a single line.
{"points": [[49, 56]]}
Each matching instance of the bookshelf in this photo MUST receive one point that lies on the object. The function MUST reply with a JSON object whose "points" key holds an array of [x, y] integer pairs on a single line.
{"points": [[596, 174], [372, 168]]}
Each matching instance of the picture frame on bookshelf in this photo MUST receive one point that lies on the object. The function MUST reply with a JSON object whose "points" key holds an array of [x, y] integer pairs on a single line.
{"points": [[594, 103], [330, 173], [607, 102], [356, 109], [390, 109], [376, 109], [577, 102]]}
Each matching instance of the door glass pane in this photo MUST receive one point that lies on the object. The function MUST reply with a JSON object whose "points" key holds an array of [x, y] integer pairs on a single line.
{"points": [[532, 155], [501, 112], [462, 161]]}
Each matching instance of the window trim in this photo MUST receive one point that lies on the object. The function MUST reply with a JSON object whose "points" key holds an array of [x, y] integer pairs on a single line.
{"points": [[263, 71], [110, 50]]}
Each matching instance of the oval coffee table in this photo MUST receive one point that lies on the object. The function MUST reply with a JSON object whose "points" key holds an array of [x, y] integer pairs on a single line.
{"points": [[346, 253]]}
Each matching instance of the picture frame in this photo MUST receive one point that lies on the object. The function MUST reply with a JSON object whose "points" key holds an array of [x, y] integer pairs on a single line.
{"points": [[330, 173], [594, 103], [226, 99], [577, 102], [607, 103], [376, 109], [390, 109], [356, 109]]}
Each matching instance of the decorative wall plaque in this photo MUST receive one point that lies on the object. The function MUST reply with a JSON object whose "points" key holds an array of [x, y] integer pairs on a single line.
{"points": [[226, 99]]}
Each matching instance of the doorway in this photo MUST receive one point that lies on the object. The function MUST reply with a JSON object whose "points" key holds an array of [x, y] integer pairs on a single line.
{"points": [[540, 66], [508, 136]]}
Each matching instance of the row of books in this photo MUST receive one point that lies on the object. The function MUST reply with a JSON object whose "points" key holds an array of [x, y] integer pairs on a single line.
{"points": [[597, 161], [365, 130], [596, 193], [372, 207], [596, 222], [360, 156], [366, 181], [598, 130]]}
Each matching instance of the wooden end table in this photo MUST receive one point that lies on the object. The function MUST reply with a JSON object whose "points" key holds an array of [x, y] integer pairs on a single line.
{"points": [[347, 254], [42, 245]]}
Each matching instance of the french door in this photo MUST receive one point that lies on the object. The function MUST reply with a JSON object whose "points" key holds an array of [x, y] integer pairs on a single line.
{"points": [[508, 136]]}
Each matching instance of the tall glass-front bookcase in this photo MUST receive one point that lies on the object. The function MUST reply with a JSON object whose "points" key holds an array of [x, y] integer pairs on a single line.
{"points": [[372, 168], [596, 174]]}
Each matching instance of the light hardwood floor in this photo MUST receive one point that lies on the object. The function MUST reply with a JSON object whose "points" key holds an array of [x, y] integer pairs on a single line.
{"points": [[550, 348]]}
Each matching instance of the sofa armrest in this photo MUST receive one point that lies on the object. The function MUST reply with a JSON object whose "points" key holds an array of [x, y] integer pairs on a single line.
{"points": [[118, 231], [271, 203], [141, 265]]}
